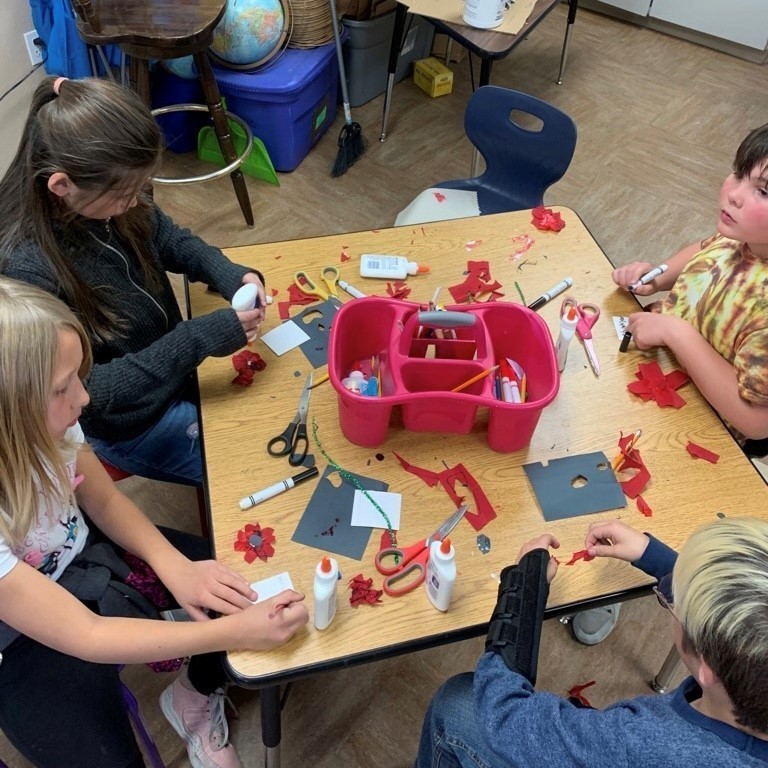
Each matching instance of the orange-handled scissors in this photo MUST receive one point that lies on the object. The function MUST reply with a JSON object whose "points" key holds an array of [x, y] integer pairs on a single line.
{"points": [[589, 314], [409, 565], [329, 275]]}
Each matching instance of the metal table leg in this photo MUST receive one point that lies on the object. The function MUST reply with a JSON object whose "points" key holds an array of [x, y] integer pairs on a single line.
{"points": [[572, 6], [401, 12], [661, 682], [270, 725]]}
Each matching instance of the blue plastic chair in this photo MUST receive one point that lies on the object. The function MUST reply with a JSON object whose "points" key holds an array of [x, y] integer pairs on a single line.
{"points": [[521, 164]]}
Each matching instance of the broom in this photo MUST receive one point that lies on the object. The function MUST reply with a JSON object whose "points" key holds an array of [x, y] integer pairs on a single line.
{"points": [[351, 142]]}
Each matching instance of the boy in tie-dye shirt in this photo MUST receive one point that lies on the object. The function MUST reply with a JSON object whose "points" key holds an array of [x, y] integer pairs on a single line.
{"points": [[715, 317]]}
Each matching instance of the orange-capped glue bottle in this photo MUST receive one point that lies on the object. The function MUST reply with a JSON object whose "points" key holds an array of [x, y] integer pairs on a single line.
{"points": [[326, 579], [389, 267], [441, 573], [568, 325]]}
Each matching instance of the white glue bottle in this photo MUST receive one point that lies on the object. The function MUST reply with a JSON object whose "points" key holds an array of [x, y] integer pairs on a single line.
{"points": [[326, 579], [568, 325], [441, 573], [388, 267]]}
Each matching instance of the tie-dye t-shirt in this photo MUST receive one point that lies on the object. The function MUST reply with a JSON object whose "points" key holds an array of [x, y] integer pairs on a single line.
{"points": [[723, 293]]}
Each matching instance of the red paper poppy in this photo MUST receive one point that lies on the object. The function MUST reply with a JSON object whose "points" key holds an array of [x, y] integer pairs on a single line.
{"points": [[363, 591], [546, 218], [246, 363], [255, 541], [653, 384]]}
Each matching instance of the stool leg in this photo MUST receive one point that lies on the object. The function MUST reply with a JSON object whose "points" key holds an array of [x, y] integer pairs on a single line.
{"points": [[221, 127]]}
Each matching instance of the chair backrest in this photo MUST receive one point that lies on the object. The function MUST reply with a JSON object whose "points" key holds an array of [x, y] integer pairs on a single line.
{"points": [[520, 163]]}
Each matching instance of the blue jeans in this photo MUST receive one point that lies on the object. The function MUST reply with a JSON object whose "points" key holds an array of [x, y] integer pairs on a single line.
{"points": [[450, 737], [169, 450]]}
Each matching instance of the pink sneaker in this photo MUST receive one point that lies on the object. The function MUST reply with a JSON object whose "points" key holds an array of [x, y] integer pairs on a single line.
{"points": [[201, 722]]}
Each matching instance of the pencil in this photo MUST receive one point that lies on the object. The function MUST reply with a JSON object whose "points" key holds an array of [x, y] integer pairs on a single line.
{"points": [[474, 379], [619, 460], [524, 388]]}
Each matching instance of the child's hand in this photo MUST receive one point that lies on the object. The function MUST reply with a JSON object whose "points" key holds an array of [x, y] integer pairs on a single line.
{"points": [[250, 320], [615, 539], [652, 329], [273, 622], [631, 273], [209, 584], [545, 541]]}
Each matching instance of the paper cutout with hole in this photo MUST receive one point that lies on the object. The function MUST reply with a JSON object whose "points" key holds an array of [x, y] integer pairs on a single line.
{"points": [[327, 521], [483, 512], [575, 485], [316, 322]]}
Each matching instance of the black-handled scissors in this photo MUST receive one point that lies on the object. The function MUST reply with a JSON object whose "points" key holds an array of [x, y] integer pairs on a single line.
{"points": [[294, 440]]}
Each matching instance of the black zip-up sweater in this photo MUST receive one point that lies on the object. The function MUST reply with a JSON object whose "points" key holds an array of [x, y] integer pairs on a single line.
{"points": [[136, 376]]}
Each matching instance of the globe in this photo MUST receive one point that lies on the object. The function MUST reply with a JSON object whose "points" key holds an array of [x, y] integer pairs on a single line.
{"points": [[249, 34]]}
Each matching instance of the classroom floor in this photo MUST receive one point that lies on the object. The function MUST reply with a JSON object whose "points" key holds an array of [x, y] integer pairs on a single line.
{"points": [[659, 121]]}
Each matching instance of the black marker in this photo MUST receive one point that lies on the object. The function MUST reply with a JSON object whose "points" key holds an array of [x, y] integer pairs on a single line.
{"points": [[563, 285], [625, 341], [273, 490]]}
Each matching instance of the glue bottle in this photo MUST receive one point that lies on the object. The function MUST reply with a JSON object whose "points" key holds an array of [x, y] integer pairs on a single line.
{"points": [[568, 325], [441, 573], [326, 579], [389, 267]]}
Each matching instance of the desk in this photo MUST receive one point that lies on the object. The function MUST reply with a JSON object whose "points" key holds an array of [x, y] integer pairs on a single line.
{"points": [[586, 416], [486, 43]]}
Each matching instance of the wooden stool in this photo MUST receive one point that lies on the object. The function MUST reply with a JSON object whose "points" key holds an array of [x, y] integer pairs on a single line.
{"points": [[118, 474], [168, 29]]}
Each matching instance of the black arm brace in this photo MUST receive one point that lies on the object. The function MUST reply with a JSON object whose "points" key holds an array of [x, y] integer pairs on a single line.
{"points": [[515, 629]]}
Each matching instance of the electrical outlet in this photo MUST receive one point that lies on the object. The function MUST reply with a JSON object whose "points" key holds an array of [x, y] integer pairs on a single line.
{"points": [[35, 52]]}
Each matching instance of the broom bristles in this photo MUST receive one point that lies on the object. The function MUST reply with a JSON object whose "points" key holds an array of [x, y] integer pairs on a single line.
{"points": [[351, 147]]}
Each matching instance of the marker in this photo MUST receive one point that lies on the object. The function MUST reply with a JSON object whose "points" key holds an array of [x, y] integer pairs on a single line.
{"points": [[648, 277], [626, 338], [564, 285], [273, 490], [351, 290]]}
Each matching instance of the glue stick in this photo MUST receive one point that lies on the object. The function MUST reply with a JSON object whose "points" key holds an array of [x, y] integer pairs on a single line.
{"points": [[326, 579], [388, 267], [568, 325], [441, 573]]}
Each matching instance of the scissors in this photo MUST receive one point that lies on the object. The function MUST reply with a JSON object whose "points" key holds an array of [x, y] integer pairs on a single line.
{"points": [[589, 314], [329, 275], [294, 439], [410, 563]]}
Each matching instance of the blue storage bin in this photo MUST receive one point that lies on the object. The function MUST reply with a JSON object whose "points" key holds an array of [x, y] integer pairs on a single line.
{"points": [[289, 105], [179, 129]]}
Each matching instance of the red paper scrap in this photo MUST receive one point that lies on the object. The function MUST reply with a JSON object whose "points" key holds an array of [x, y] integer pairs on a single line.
{"points": [[635, 485], [246, 363], [255, 541], [448, 478], [700, 452], [576, 693], [582, 554], [439, 196], [345, 255], [363, 591], [524, 243], [470, 244], [653, 384], [642, 505], [546, 218], [295, 297], [477, 282], [398, 290]]}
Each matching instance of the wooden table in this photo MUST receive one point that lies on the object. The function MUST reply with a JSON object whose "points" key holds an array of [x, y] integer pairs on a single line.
{"points": [[485, 43], [586, 416]]}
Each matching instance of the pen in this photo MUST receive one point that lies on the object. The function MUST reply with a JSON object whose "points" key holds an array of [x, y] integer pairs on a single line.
{"points": [[648, 277], [351, 290], [273, 490], [563, 285], [619, 460]]}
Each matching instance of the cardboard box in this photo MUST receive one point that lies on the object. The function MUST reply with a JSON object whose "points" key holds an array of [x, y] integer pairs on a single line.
{"points": [[434, 78], [440, 45]]}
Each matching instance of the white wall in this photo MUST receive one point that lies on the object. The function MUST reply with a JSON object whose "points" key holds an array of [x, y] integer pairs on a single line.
{"points": [[15, 20]]}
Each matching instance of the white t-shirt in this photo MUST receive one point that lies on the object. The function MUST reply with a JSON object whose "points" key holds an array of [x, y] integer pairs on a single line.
{"points": [[56, 538]]}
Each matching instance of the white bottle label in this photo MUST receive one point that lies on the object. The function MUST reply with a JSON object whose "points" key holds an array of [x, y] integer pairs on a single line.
{"points": [[433, 583]]}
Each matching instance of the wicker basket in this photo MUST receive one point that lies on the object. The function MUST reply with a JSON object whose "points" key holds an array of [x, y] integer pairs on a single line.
{"points": [[311, 23]]}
